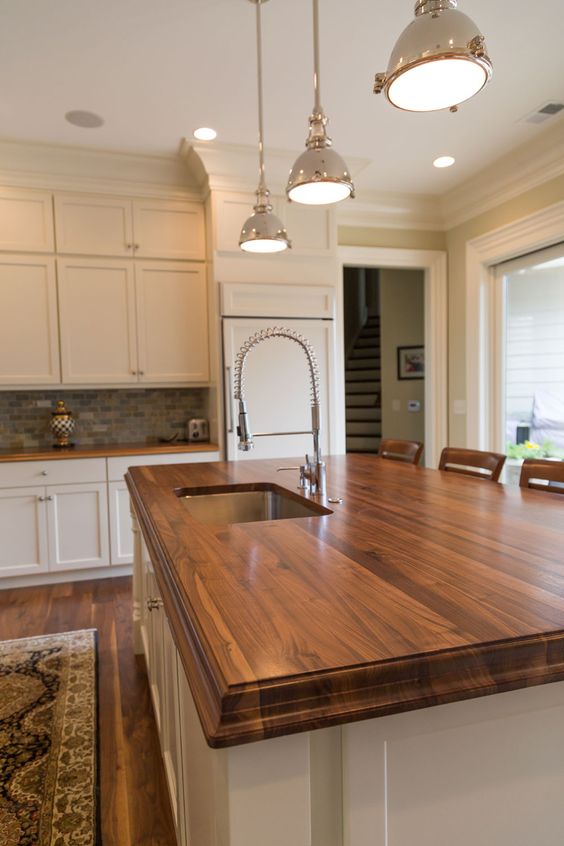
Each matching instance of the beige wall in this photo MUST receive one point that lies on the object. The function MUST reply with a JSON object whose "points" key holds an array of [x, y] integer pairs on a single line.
{"points": [[454, 242], [401, 325], [402, 239]]}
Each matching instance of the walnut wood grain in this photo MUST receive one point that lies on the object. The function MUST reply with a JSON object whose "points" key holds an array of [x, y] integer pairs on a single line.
{"points": [[102, 451], [421, 588]]}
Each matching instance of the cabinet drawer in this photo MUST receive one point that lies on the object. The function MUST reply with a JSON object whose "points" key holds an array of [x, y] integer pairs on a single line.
{"points": [[54, 472], [117, 467]]}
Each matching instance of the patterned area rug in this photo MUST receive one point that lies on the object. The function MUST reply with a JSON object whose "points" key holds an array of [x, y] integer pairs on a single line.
{"points": [[48, 753]]}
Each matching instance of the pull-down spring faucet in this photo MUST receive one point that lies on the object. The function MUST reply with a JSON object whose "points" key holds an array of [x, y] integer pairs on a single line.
{"points": [[312, 473]]}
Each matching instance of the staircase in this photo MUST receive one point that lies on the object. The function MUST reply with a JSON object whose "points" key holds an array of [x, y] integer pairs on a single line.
{"points": [[362, 390]]}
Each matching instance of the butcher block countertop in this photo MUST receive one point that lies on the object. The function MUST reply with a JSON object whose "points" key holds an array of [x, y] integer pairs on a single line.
{"points": [[421, 588], [102, 451]]}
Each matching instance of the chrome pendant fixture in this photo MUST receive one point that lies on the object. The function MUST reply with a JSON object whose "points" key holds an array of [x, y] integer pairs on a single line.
{"points": [[438, 62], [319, 176], [263, 232]]}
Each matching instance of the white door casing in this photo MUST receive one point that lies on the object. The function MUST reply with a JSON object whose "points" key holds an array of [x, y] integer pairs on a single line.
{"points": [[483, 349], [434, 265]]}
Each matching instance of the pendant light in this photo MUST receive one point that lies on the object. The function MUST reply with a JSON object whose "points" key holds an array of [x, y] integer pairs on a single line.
{"points": [[319, 176], [438, 61], [263, 232]]}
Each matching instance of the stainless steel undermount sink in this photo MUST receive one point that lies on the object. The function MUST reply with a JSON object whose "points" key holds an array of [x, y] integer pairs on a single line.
{"points": [[247, 504]]}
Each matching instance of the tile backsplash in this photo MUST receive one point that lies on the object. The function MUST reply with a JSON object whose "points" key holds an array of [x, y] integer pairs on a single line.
{"points": [[102, 416]]}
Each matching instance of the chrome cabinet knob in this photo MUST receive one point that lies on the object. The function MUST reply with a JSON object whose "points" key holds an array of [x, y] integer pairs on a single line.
{"points": [[141, 372], [44, 473], [41, 499]]}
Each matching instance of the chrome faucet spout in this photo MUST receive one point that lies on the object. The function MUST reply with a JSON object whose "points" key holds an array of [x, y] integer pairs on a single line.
{"points": [[314, 470]]}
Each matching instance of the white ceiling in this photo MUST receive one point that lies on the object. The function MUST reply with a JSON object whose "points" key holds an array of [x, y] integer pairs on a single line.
{"points": [[156, 69]]}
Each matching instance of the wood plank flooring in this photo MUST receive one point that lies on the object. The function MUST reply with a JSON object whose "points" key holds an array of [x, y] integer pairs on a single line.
{"points": [[134, 805]]}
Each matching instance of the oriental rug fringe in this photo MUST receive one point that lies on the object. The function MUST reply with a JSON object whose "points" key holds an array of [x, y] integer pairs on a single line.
{"points": [[48, 740]]}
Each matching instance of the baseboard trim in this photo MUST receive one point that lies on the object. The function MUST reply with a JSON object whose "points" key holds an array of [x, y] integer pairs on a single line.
{"points": [[67, 576]]}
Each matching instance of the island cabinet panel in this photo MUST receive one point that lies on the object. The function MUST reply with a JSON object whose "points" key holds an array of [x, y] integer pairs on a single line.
{"points": [[29, 335], [483, 772]]}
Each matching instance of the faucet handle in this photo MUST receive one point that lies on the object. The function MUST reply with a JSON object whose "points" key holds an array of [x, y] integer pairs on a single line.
{"points": [[303, 483]]}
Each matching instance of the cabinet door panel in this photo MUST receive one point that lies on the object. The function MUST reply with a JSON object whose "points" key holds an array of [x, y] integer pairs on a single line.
{"points": [[23, 529], [172, 322], [93, 225], [29, 339], [26, 220], [78, 527], [121, 535], [97, 307], [166, 229]]}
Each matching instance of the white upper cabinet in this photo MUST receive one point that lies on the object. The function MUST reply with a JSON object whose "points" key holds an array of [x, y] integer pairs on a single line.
{"points": [[124, 322], [93, 225], [169, 229], [26, 221], [90, 224], [172, 322], [97, 313], [29, 339]]}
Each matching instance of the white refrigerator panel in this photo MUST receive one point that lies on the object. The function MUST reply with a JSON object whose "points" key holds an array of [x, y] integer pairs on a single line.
{"points": [[277, 386]]}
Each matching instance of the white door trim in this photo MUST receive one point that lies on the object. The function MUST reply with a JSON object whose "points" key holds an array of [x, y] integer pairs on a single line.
{"points": [[531, 233], [434, 265]]}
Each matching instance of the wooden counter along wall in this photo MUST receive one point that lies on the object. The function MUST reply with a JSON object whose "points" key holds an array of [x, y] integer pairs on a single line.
{"points": [[421, 588]]}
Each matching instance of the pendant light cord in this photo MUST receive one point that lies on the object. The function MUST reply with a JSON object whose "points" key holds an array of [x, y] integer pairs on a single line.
{"points": [[262, 181], [317, 110]]}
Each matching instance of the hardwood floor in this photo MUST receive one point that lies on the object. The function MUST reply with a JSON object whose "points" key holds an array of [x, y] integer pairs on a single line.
{"points": [[134, 805]]}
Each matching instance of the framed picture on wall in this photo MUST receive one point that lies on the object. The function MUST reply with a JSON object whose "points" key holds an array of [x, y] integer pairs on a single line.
{"points": [[411, 362]]}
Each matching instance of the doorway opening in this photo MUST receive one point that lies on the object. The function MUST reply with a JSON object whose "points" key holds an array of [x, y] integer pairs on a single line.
{"points": [[384, 329]]}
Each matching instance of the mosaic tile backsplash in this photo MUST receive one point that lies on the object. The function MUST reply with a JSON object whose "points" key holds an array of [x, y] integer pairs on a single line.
{"points": [[102, 416]]}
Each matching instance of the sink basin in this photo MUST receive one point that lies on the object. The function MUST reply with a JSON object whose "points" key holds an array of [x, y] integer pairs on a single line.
{"points": [[247, 504]]}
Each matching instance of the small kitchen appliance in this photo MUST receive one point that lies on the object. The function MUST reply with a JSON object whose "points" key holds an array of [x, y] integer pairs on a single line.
{"points": [[198, 430]]}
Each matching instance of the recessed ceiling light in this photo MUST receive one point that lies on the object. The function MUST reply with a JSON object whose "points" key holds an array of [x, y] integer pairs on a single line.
{"points": [[205, 133], [444, 161], [86, 120]]}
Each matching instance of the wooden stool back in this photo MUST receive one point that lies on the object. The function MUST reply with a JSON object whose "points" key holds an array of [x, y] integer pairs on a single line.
{"points": [[536, 469], [396, 450], [488, 464]]}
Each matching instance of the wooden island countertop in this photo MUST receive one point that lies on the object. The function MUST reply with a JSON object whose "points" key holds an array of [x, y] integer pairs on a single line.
{"points": [[421, 588]]}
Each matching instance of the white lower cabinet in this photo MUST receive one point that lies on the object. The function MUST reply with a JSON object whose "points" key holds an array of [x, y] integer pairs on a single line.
{"points": [[77, 517], [23, 529], [53, 528], [70, 515], [121, 538]]}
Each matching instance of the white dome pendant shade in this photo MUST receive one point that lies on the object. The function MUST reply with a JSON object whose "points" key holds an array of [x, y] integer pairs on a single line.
{"points": [[438, 62], [319, 176], [263, 232]]}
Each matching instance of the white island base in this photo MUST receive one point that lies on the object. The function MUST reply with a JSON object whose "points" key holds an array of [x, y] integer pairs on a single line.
{"points": [[483, 772]]}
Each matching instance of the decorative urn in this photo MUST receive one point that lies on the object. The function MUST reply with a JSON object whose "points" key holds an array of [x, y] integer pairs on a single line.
{"points": [[62, 425]]}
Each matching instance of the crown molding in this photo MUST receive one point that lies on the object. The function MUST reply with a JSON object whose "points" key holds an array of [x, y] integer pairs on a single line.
{"points": [[234, 167], [388, 210], [69, 168], [518, 171]]}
